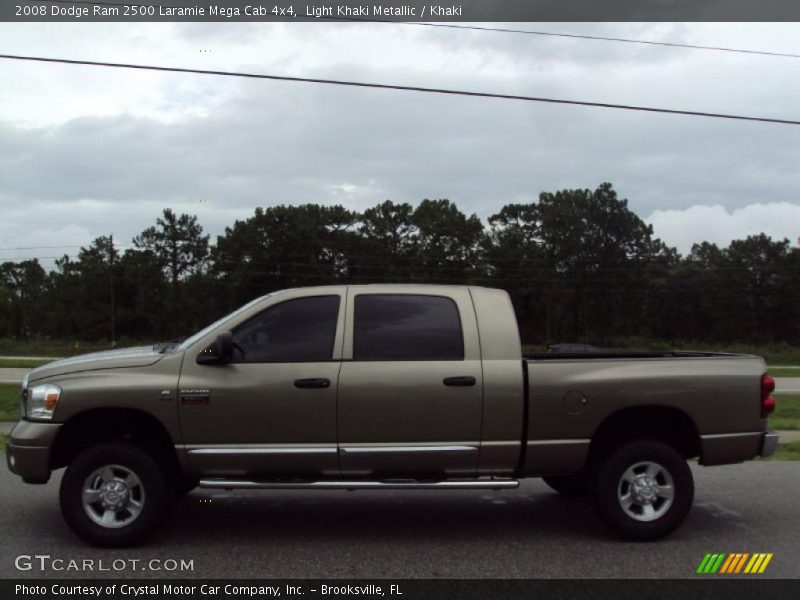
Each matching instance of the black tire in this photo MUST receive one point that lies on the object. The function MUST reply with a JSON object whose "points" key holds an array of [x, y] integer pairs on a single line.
{"points": [[152, 491], [608, 488], [569, 485]]}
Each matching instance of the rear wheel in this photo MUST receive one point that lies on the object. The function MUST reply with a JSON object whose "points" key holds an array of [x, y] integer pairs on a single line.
{"points": [[643, 490], [569, 485], [114, 494]]}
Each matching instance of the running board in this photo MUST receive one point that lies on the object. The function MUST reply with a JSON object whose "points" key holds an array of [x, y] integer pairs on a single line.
{"points": [[450, 484]]}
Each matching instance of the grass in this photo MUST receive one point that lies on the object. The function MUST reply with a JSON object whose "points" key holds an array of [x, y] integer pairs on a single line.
{"points": [[9, 402], [787, 412], [12, 347], [25, 363], [784, 371], [786, 452]]}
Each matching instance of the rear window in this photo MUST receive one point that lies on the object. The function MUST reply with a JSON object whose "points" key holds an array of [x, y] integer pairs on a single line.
{"points": [[406, 327]]}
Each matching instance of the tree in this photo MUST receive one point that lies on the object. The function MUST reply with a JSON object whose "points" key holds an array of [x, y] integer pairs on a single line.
{"points": [[517, 262], [181, 248], [447, 244], [284, 246], [590, 256], [385, 246], [25, 284]]}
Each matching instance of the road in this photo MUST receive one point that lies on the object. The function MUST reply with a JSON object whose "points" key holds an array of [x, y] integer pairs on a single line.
{"points": [[787, 385], [12, 375], [529, 532]]}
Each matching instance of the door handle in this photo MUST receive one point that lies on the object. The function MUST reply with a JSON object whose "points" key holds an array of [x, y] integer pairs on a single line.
{"points": [[459, 381], [315, 382]]}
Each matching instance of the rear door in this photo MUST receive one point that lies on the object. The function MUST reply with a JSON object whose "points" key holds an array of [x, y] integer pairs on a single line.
{"points": [[410, 387]]}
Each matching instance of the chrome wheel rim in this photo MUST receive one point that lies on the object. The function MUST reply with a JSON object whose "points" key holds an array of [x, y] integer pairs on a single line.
{"points": [[113, 496], [646, 491]]}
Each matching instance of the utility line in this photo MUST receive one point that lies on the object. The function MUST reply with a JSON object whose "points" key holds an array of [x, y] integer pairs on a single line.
{"points": [[582, 37], [405, 88], [484, 28], [52, 247]]}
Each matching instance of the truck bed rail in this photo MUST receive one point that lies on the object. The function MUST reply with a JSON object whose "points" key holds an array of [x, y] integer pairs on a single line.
{"points": [[607, 355]]}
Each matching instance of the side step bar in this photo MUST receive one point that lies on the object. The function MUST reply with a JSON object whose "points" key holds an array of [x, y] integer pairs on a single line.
{"points": [[450, 484]]}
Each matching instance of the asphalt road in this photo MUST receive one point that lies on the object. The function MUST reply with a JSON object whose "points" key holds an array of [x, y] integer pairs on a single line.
{"points": [[12, 375], [787, 385], [529, 532]]}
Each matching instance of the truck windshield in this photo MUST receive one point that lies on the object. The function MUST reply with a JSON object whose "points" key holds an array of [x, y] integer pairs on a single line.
{"points": [[206, 330]]}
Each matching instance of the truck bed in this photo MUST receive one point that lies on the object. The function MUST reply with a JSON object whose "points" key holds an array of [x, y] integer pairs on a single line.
{"points": [[570, 396]]}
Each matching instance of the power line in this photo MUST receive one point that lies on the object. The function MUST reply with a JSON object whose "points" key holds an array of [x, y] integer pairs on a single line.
{"points": [[280, 267], [484, 28], [585, 37], [405, 88], [52, 247]]}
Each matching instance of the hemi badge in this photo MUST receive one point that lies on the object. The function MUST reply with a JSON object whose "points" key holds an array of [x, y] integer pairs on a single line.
{"points": [[165, 395]]}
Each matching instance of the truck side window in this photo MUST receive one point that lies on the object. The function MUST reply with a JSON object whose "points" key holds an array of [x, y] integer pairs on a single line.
{"points": [[300, 330], [406, 327]]}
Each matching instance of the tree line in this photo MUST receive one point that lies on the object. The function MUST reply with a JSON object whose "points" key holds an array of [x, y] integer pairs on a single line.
{"points": [[579, 265]]}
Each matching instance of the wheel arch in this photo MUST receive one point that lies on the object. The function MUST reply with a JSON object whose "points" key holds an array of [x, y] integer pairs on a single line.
{"points": [[657, 422], [100, 425]]}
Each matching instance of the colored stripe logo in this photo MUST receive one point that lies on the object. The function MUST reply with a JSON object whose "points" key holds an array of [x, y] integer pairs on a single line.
{"points": [[734, 563]]}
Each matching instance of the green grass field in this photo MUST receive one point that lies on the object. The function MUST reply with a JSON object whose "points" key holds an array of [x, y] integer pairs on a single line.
{"points": [[10, 347], [787, 412], [786, 452], [784, 371], [23, 363], [9, 402]]}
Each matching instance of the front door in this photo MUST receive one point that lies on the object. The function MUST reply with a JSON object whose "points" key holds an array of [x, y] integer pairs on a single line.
{"points": [[410, 388], [272, 411]]}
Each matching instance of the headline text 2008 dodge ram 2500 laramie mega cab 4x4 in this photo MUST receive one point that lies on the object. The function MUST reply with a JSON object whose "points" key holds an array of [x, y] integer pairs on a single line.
{"points": [[382, 387]]}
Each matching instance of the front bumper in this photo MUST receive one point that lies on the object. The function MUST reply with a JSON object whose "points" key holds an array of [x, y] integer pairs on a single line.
{"points": [[28, 450], [769, 443]]}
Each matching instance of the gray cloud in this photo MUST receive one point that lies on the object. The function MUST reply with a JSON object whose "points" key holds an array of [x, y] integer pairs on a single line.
{"points": [[256, 143]]}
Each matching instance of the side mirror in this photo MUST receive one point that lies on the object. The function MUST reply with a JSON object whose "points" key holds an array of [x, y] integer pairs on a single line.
{"points": [[218, 353]]}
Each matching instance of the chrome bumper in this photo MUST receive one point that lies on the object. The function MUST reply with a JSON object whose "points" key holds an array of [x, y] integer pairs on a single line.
{"points": [[769, 443]]}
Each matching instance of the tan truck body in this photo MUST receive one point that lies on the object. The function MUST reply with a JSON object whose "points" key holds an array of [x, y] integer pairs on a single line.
{"points": [[485, 415]]}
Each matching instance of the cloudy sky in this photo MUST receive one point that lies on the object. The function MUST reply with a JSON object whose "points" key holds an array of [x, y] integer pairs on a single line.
{"points": [[86, 151]]}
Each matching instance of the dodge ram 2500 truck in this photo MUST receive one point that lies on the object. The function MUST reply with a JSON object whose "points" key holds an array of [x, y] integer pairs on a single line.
{"points": [[382, 387]]}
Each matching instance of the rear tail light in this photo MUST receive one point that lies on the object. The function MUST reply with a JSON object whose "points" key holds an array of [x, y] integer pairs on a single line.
{"points": [[767, 401]]}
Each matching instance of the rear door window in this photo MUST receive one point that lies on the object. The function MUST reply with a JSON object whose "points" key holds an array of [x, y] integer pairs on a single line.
{"points": [[406, 327]]}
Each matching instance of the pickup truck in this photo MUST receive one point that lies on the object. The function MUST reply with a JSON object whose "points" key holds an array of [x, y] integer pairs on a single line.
{"points": [[382, 387]]}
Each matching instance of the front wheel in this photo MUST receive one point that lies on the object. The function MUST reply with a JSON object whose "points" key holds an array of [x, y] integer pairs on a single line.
{"points": [[114, 494], [644, 490]]}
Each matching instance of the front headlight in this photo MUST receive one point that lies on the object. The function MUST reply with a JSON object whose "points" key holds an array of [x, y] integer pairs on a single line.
{"points": [[42, 400]]}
